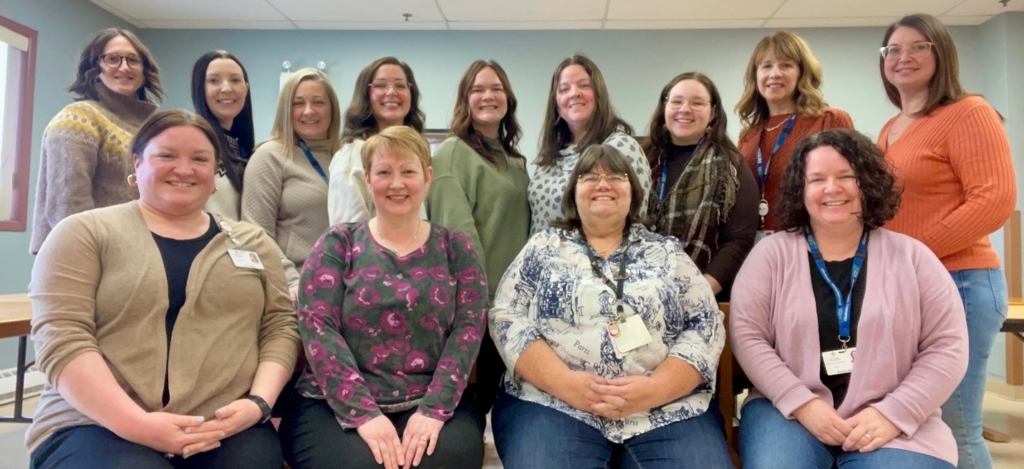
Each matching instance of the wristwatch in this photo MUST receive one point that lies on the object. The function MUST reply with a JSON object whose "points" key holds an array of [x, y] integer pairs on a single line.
{"points": [[264, 407]]}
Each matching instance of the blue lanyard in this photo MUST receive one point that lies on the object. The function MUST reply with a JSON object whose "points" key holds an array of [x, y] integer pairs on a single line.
{"points": [[842, 305], [762, 167], [664, 170], [312, 161]]}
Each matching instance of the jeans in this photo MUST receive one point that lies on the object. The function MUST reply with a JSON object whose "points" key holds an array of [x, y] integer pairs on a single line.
{"points": [[984, 294], [531, 436], [770, 441]]}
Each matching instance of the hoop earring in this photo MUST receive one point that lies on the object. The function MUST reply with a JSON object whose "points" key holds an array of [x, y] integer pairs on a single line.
{"points": [[132, 180]]}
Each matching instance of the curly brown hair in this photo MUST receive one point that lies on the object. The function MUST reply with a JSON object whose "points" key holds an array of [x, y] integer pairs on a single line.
{"points": [[879, 194]]}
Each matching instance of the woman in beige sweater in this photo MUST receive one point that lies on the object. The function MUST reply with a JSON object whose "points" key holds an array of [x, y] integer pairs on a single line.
{"points": [[164, 332]]}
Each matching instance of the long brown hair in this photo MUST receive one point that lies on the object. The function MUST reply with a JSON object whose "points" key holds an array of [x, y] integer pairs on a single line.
{"points": [[717, 131], [509, 132], [556, 134], [807, 97], [84, 86], [359, 120], [944, 86]]}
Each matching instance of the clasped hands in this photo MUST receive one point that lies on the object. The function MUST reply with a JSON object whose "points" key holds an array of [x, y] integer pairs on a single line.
{"points": [[613, 399], [188, 435], [420, 436], [866, 431]]}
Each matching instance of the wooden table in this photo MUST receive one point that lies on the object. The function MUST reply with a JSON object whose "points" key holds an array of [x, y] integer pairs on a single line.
{"points": [[1014, 325], [15, 321]]}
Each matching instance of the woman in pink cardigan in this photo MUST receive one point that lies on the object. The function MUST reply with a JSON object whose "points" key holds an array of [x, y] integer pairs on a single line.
{"points": [[852, 335]]}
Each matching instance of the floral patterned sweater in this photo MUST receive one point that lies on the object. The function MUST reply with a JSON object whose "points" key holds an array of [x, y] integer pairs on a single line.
{"points": [[383, 333]]}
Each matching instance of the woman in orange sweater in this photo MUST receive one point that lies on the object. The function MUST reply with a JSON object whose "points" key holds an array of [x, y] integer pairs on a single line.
{"points": [[781, 104], [950, 152]]}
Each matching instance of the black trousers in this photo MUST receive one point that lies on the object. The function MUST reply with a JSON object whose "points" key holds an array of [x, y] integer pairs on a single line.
{"points": [[312, 439], [95, 447], [489, 370]]}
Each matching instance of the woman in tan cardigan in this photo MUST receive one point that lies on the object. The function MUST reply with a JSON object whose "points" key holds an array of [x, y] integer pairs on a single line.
{"points": [[164, 332]]}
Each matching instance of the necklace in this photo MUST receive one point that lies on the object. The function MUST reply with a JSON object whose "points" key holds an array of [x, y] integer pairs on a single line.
{"points": [[398, 252], [776, 126], [607, 252]]}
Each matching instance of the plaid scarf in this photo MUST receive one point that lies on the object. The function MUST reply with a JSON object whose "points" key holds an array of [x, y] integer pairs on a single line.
{"points": [[697, 204]]}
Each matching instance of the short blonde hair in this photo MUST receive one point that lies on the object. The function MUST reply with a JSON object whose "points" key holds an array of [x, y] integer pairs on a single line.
{"points": [[396, 139]]}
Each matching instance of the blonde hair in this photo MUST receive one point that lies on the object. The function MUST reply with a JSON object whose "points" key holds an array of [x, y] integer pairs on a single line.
{"points": [[282, 131], [398, 139], [807, 97]]}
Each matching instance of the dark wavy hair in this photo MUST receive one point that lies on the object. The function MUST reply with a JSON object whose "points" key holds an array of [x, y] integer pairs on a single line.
{"points": [[241, 126], [359, 120], [555, 135], [879, 194], [163, 120], [612, 161], [717, 133], [509, 132], [89, 68]]}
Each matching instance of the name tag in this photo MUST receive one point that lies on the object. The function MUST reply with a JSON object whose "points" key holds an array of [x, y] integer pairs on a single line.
{"points": [[245, 259], [762, 234], [839, 362], [629, 335]]}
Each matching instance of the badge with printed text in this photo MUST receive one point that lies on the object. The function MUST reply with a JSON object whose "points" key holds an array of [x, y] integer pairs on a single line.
{"points": [[245, 259], [839, 362], [629, 334]]}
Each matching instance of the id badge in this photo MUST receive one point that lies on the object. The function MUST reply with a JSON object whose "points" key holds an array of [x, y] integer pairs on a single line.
{"points": [[762, 234], [839, 362], [629, 335], [245, 259]]}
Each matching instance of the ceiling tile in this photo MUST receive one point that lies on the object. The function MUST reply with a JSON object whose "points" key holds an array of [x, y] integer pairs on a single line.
{"points": [[788, 23], [690, 9], [983, 8], [373, 25], [523, 10], [351, 11], [232, 10], [676, 24], [524, 25], [217, 24], [861, 8]]}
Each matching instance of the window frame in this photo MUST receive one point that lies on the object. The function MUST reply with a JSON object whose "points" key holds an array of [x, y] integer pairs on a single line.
{"points": [[18, 220]]}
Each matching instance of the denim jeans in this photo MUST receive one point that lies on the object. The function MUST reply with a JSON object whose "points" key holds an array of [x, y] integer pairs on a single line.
{"points": [[531, 436], [770, 441], [984, 294]]}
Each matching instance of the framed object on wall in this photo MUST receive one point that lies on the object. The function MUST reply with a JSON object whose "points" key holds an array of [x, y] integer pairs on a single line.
{"points": [[435, 137]]}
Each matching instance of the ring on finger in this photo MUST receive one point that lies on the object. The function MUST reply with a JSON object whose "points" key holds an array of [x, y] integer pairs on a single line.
{"points": [[424, 438], [868, 436]]}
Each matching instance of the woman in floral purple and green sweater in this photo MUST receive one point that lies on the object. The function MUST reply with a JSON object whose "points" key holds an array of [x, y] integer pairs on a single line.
{"points": [[391, 312]]}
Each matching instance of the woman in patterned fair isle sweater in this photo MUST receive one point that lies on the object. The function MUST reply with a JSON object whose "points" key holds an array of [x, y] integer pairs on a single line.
{"points": [[392, 311], [84, 160]]}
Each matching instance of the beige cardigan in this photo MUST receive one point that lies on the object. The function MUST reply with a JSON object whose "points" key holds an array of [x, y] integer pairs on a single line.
{"points": [[99, 284]]}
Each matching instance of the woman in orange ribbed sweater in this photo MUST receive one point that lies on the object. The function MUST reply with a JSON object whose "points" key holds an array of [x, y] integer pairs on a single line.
{"points": [[782, 103], [950, 152]]}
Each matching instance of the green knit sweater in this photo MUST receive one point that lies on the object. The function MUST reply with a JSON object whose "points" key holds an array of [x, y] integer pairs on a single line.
{"points": [[485, 201]]}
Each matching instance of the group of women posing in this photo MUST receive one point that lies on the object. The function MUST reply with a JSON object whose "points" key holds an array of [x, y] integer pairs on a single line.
{"points": [[163, 318]]}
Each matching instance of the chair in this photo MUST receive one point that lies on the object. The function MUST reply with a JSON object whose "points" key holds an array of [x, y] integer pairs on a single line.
{"points": [[730, 383]]}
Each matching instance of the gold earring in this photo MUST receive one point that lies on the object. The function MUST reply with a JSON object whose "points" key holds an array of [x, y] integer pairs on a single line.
{"points": [[214, 189], [133, 180]]}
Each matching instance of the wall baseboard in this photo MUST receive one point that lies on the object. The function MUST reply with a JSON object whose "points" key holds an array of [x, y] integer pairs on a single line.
{"points": [[34, 381], [1008, 391]]}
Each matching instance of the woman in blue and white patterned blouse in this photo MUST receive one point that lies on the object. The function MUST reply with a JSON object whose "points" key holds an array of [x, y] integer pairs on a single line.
{"points": [[611, 337]]}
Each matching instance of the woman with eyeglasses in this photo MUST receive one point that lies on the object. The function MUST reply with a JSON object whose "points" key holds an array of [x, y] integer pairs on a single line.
{"points": [[951, 154], [782, 103], [704, 193], [611, 338], [579, 114], [385, 95], [84, 161]]}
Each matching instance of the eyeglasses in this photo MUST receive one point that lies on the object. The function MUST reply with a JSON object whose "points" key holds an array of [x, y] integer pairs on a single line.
{"points": [[917, 50], [114, 60], [398, 85], [674, 103], [594, 178]]}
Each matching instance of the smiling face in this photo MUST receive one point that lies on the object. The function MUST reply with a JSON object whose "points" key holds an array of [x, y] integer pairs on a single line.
{"points": [[688, 112], [397, 183], [831, 193], [311, 111], [776, 79], [123, 79], [905, 72], [390, 96], [176, 171], [602, 200], [487, 102], [575, 97], [226, 90]]}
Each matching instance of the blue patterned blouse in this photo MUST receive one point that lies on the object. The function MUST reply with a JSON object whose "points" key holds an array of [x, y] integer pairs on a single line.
{"points": [[550, 292]]}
